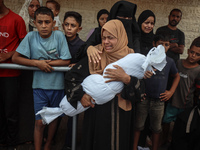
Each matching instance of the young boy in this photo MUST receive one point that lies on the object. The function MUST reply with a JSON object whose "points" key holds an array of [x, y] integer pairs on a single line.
{"points": [[44, 48], [156, 95], [189, 71], [72, 26], [55, 7]]}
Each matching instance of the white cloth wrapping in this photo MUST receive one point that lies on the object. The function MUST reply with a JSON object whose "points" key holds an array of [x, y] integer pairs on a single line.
{"points": [[134, 64], [58, 23]]}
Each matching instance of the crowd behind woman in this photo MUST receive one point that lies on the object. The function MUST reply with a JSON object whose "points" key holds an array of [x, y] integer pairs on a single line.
{"points": [[109, 126]]}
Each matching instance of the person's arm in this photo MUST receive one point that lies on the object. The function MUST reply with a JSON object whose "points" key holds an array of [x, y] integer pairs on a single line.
{"points": [[6, 56], [93, 54], [197, 90], [93, 40], [174, 47], [41, 64], [59, 62], [133, 87], [148, 74], [168, 94], [117, 74], [73, 79], [178, 47], [86, 101]]}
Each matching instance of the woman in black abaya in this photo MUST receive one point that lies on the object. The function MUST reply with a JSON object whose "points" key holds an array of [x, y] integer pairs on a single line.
{"points": [[146, 22], [125, 12]]}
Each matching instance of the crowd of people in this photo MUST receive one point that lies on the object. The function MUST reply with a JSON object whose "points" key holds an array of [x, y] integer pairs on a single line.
{"points": [[137, 117]]}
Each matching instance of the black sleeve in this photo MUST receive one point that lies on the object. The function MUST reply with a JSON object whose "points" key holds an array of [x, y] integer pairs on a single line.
{"points": [[93, 40], [73, 79], [136, 44], [134, 91]]}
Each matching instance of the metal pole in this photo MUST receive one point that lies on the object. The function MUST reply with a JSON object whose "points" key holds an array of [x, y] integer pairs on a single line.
{"points": [[22, 67], [62, 69], [74, 124]]}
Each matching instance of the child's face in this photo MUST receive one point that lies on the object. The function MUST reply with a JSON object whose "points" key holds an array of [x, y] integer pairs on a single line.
{"points": [[193, 54], [53, 9], [34, 5], [44, 24], [166, 44], [71, 27]]}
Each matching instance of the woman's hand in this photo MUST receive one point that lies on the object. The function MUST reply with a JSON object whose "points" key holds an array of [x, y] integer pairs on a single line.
{"points": [[86, 101], [117, 74], [93, 54]]}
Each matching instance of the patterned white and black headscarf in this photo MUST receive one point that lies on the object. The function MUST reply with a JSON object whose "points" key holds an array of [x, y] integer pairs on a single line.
{"points": [[25, 14]]}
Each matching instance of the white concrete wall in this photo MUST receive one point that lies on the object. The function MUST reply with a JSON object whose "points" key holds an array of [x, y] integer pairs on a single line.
{"points": [[190, 23]]}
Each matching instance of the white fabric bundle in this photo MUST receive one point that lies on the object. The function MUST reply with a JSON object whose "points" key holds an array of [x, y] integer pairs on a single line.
{"points": [[134, 64]]}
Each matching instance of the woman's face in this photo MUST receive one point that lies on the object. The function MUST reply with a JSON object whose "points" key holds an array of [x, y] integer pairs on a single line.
{"points": [[103, 19], [109, 41], [34, 5], [147, 25]]}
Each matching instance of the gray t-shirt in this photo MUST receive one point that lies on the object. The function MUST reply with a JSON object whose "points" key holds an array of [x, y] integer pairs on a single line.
{"points": [[184, 94]]}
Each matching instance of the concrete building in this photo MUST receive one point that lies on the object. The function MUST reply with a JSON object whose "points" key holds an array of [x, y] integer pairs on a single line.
{"points": [[190, 23]]}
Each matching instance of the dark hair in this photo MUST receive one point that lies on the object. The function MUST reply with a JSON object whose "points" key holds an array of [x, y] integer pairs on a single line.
{"points": [[43, 11], [101, 12], [176, 9], [161, 35], [144, 16], [57, 5], [74, 14], [196, 42]]}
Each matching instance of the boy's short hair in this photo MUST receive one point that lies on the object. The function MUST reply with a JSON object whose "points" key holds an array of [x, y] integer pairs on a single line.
{"points": [[55, 3], [74, 14], [162, 35], [44, 11], [196, 42], [176, 9]]}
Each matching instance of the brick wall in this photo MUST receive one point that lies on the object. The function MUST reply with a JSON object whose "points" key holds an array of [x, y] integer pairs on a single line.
{"points": [[190, 23]]}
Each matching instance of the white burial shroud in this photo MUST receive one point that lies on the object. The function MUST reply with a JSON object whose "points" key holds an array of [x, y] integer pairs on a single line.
{"points": [[134, 64]]}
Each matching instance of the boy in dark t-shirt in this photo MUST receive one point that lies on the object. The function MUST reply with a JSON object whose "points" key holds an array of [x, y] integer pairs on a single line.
{"points": [[72, 26], [156, 95]]}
